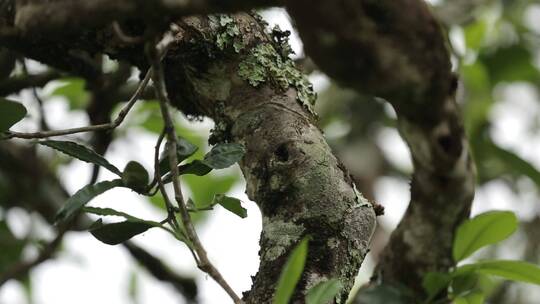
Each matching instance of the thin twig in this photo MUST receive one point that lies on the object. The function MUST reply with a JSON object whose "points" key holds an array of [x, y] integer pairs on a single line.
{"points": [[101, 127], [202, 262]]}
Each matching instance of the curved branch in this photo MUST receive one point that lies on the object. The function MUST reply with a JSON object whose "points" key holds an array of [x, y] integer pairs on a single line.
{"points": [[396, 50], [68, 16]]}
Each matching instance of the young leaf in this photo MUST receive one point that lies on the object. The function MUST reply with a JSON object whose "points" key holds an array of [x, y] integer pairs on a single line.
{"points": [[435, 282], [323, 292], [11, 112], [291, 273], [482, 230], [232, 204], [184, 150], [135, 177], [224, 155], [116, 233], [80, 152], [82, 197], [510, 270]]}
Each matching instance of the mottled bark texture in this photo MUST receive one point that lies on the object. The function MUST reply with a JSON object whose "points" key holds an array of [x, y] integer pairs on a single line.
{"points": [[231, 70], [396, 50], [290, 171]]}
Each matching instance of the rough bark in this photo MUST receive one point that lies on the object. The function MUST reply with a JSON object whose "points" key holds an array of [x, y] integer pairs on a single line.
{"points": [[396, 50], [290, 171], [234, 72]]}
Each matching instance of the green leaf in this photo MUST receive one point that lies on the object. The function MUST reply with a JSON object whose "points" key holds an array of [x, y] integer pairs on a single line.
{"points": [[81, 152], [135, 177], [474, 34], [323, 292], [232, 204], [82, 197], [112, 212], [74, 91], [510, 270], [482, 230], [184, 150], [220, 156], [11, 112], [224, 155], [291, 273], [116, 233], [511, 63], [196, 167], [435, 282], [476, 297], [465, 282]]}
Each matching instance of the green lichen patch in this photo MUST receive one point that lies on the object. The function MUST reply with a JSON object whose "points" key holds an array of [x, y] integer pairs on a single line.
{"points": [[266, 65], [281, 235], [228, 34]]}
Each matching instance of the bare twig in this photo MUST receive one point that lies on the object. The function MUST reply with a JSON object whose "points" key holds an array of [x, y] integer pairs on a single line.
{"points": [[101, 127], [202, 257]]}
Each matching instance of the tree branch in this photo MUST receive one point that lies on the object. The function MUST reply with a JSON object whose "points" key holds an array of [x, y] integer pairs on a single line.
{"points": [[396, 50], [67, 16]]}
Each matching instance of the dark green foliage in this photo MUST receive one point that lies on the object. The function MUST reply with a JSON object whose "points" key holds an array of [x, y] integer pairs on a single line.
{"points": [[84, 196], [81, 152], [11, 112]]}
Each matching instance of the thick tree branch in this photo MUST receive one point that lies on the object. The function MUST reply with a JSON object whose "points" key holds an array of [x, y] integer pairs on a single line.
{"points": [[396, 50], [64, 16]]}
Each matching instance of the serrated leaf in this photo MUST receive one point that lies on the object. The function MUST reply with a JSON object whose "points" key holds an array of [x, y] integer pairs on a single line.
{"points": [[323, 292], [11, 112], [510, 270], [81, 152], [82, 197], [232, 204], [291, 273], [184, 150], [135, 177], [435, 282], [117, 233], [482, 230], [224, 155]]}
